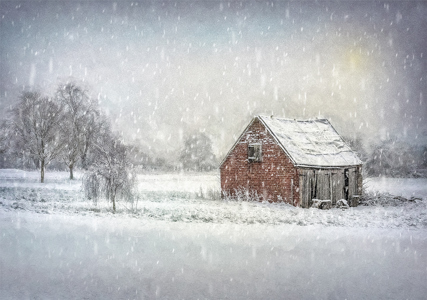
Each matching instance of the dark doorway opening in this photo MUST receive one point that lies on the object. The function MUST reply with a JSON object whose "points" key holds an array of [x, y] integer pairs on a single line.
{"points": [[346, 183]]}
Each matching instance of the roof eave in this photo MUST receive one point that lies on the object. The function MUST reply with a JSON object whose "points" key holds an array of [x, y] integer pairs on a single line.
{"points": [[327, 167]]}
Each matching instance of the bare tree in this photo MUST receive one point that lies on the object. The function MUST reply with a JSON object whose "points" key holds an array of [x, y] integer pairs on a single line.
{"points": [[3, 137], [111, 175], [96, 126], [36, 121], [197, 154], [80, 123], [392, 158]]}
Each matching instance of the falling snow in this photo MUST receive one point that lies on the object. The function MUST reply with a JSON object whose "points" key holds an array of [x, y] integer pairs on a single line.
{"points": [[162, 71], [182, 66]]}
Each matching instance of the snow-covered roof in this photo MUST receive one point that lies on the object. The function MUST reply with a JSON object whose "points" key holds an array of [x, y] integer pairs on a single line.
{"points": [[311, 142]]}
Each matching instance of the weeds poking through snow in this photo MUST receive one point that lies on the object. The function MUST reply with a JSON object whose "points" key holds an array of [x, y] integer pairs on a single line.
{"points": [[385, 199], [208, 194], [242, 194]]}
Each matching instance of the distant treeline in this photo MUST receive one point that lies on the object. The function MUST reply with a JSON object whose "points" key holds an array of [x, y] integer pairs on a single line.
{"points": [[392, 158], [69, 129]]}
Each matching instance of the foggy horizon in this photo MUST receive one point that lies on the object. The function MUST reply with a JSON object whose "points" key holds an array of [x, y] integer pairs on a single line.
{"points": [[164, 70]]}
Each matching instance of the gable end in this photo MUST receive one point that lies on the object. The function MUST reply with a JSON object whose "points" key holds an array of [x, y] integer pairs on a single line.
{"points": [[244, 133]]}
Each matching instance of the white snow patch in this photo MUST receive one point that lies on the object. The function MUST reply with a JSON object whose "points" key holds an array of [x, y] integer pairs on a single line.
{"points": [[120, 257], [176, 245], [176, 182]]}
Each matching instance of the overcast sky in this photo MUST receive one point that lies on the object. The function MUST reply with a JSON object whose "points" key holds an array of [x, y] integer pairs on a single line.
{"points": [[165, 69]]}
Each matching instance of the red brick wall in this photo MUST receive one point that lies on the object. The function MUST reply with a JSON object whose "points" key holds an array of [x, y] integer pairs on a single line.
{"points": [[272, 178]]}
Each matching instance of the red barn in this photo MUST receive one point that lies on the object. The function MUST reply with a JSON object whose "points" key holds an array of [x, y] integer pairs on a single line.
{"points": [[294, 161]]}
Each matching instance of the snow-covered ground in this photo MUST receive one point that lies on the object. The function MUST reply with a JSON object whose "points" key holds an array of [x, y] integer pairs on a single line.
{"points": [[176, 182], [31, 179], [177, 243], [187, 198]]}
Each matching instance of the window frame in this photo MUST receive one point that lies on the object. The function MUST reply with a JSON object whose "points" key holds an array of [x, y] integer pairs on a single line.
{"points": [[254, 158]]}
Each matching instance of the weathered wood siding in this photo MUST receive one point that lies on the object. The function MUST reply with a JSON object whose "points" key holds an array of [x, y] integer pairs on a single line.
{"points": [[328, 184], [338, 185], [352, 186], [359, 180]]}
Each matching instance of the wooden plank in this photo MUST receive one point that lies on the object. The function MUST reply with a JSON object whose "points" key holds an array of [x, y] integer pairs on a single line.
{"points": [[303, 190], [305, 187], [323, 185], [312, 187], [338, 184], [359, 180], [333, 182], [331, 188], [352, 183], [327, 185], [319, 185]]}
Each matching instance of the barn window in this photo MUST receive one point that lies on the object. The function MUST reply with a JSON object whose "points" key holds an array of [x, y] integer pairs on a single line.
{"points": [[255, 153]]}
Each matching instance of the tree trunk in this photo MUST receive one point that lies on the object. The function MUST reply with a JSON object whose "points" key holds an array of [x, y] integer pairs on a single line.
{"points": [[42, 170], [83, 159], [71, 171], [83, 156], [42, 163], [113, 198]]}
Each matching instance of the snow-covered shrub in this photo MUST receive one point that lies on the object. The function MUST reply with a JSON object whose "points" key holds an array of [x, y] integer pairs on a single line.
{"points": [[385, 199], [321, 204], [342, 203], [92, 186], [111, 175]]}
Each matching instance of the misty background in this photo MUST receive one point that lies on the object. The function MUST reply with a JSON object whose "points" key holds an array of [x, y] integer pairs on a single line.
{"points": [[165, 70]]}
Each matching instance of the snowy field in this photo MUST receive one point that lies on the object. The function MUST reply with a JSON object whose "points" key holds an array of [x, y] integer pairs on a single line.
{"points": [[178, 243], [188, 198]]}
